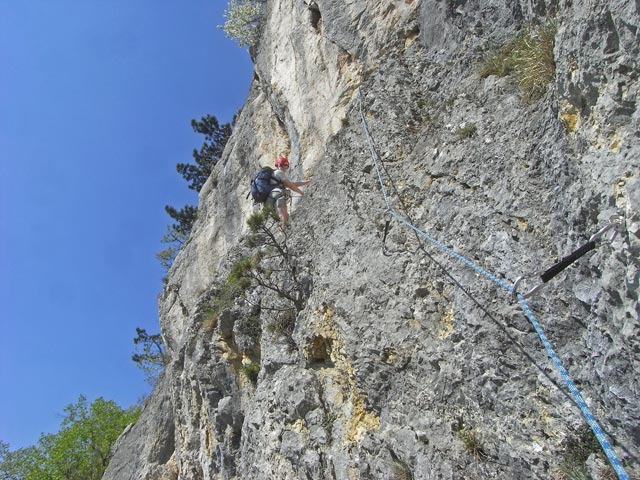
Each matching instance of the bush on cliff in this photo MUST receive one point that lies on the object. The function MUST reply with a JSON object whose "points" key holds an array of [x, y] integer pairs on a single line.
{"points": [[242, 21]]}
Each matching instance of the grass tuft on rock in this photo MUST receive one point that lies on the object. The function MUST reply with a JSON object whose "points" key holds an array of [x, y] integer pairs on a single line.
{"points": [[251, 371], [528, 57]]}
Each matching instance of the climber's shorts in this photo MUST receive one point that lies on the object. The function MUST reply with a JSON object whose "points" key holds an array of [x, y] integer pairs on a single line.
{"points": [[278, 198]]}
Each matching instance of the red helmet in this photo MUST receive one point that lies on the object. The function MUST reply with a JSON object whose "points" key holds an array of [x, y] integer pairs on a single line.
{"points": [[282, 162]]}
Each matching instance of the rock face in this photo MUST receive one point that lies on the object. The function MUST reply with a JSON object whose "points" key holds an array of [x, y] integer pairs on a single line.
{"points": [[398, 361]]}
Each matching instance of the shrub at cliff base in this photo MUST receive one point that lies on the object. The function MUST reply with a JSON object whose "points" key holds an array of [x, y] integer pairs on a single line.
{"points": [[81, 450]]}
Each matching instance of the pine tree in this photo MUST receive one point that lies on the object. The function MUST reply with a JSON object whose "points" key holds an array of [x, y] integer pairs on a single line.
{"points": [[149, 355], [216, 137], [185, 218]]}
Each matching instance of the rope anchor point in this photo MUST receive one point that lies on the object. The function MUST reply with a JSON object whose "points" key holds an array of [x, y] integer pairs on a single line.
{"points": [[614, 223]]}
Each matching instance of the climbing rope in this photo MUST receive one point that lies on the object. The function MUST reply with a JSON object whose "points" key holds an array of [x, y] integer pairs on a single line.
{"points": [[550, 273], [575, 393]]}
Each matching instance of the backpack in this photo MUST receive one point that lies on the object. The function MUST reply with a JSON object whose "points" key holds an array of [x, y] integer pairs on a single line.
{"points": [[262, 184]]}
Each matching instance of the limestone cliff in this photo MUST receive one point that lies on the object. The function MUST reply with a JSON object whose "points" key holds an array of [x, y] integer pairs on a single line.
{"points": [[400, 361]]}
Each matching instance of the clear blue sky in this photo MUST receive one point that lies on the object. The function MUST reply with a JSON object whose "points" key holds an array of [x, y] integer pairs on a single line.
{"points": [[96, 99]]}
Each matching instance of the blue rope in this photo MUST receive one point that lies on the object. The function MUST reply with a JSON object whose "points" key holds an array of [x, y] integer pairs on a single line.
{"points": [[464, 260], [374, 154], [584, 409], [586, 412]]}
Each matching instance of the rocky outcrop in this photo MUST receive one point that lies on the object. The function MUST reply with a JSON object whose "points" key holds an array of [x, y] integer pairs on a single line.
{"points": [[400, 361]]}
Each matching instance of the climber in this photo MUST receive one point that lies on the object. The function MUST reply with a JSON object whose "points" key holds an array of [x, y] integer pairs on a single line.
{"points": [[280, 194]]}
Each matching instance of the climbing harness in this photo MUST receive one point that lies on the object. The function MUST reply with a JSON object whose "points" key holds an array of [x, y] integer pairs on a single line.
{"points": [[550, 273], [614, 224]]}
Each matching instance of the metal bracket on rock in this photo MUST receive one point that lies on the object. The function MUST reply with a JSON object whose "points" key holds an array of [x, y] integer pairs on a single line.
{"points": [[614, 223], [388, 218]]}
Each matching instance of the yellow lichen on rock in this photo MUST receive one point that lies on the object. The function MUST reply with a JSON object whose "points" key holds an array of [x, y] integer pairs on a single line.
{"points": [[235, 359], [339, 379], [446, 328], [210, 441], [299, 426], [614, 146], [410, 38], [361, 420], [522, 224], [570, 117]]}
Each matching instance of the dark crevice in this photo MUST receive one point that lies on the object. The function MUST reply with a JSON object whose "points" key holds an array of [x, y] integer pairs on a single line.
{"points": [[315, 16]]}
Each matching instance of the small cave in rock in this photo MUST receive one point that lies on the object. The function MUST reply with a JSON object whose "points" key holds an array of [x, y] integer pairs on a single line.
{"points": [[319, 351], [315, 16]]}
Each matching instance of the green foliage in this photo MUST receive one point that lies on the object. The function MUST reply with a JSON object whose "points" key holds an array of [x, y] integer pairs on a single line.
{"points": [[251, 371], [423, 114], [240, 275], [577, 449], [581, 444], [185, 218], [243, 20], [216, 138], [22, 464], [534, 64], [467, 131], [272, 267], [261, 219], [529, 57], [208, 318], [177, 233], [167, 256], [149, 354], [268, 268], [283, 323], [251, 326], [499, 61], [224, 300], [81, 450], [472, 443]]}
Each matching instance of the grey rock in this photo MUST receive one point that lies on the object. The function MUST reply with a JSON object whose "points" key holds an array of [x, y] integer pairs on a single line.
{"points": [[147, 449], [226, 321], [403, 362]]}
